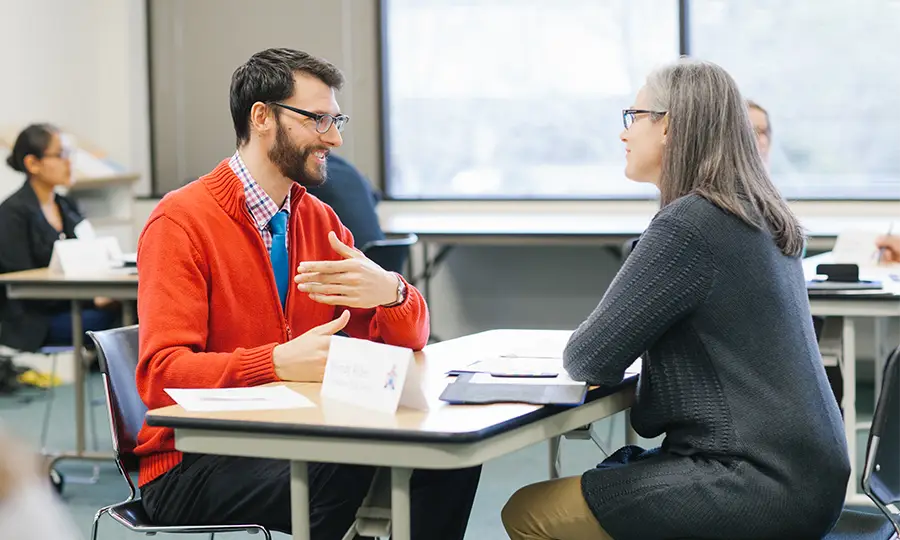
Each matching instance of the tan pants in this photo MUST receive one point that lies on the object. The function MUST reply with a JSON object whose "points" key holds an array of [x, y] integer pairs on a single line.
{"points": [[551, 510]]}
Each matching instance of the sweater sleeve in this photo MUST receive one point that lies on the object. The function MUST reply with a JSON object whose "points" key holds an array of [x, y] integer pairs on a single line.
{"points": [[405, 325], [666, 277], [173, 308]]}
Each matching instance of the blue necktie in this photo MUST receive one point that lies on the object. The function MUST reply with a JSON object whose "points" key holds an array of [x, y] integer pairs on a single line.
{"points": [[279, 253]]}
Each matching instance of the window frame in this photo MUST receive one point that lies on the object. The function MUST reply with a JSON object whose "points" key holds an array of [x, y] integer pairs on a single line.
{"points": [[684, 40]]}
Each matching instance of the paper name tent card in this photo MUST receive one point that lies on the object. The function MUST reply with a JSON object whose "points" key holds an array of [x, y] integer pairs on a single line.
{"points": [[373, 375], [257, 398], [84, 256]]}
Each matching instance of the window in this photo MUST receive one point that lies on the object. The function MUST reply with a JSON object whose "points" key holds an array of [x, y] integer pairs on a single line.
{"points": [[828, 71], [522, 98], [517, 98]]}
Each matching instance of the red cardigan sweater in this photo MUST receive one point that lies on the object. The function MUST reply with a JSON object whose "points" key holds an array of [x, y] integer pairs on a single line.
{"points": [[208, 305]]}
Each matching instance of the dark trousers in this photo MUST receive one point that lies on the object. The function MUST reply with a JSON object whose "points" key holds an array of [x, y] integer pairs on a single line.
{"points": [[207, 489], [91, 320]]}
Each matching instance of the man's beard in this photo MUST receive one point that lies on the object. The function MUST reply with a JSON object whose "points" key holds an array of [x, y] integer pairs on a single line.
{"points": [[293, 161]]}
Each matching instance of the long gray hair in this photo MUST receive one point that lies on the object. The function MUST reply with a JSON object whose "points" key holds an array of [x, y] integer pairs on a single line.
{"points": [[711, 149]]}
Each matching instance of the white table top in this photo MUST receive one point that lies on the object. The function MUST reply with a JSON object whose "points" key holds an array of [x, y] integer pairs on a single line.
{"points": [[442, 423]]}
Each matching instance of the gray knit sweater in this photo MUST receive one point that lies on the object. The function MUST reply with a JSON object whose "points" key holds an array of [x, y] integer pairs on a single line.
{"points": [[754, 445]]}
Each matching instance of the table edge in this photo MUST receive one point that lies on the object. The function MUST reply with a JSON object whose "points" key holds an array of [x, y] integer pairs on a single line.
{"points": [[274, 428]]}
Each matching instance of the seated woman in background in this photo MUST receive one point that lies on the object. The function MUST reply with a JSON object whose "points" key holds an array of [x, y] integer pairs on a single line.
{"points": [[31, 220], [713, 298]]}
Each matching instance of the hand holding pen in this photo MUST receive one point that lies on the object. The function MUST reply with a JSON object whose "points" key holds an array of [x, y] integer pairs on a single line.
{"points": [[888, 247]]}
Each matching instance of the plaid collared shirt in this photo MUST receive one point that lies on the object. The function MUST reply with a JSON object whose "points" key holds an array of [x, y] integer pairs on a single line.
{"points": [[261, 206]]}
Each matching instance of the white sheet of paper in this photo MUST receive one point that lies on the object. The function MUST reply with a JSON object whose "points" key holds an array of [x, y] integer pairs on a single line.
{"points": [[256, 398], [372, 375], [516, 366], [857, 247], [559, 380], [545, 345]]}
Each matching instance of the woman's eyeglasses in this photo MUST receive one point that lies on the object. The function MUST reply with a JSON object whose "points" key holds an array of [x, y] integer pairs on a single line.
{"points": [[628, 115]]}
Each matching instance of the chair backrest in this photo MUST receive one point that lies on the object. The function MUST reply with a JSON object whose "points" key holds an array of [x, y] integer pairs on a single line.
{"points": [[628, 247], [881, 473], [117, 351], [391, 253]]}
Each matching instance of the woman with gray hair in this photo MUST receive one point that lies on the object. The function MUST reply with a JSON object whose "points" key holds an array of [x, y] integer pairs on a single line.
{"points": [[714, 300]]}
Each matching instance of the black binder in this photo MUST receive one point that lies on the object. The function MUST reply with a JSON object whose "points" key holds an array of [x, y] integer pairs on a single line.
{"points": [[463, 392]]}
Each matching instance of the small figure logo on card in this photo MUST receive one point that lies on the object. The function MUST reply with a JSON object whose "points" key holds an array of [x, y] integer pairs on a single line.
{"points": [[391, 378]]}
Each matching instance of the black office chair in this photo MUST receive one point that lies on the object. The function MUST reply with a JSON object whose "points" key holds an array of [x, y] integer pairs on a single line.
{"points": [[628, 247], [391, 253], [117, 351], [881, 473]]}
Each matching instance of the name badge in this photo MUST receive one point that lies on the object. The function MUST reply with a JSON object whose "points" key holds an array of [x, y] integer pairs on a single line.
{"points": [[373, 375]]}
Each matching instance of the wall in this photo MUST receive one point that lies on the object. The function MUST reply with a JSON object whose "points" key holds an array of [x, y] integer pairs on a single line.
{"points": [[83, 66], [197, 44]]}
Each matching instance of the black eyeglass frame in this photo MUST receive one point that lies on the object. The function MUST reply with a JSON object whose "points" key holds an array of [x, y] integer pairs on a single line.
{"points": [[323, 121], [631, 113]]}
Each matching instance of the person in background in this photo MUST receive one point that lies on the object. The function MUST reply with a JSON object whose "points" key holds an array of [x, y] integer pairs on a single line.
{"points": [[28, 506], [762, 127], [714, 301], [245, 277], [890, 248], [31, 220], [352, 198]]}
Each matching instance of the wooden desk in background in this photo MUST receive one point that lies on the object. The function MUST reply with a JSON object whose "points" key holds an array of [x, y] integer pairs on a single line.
{"points": [[445, 437], [446, 229], [41, 284], [880, 306]]}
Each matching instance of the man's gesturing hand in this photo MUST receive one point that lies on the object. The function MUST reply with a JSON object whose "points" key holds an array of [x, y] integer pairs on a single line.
{"points": [[354, 281], [302, 359]]}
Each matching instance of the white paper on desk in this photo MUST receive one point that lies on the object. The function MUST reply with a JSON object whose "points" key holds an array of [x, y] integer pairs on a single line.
{"points": [[855, 246], [544, 345], [516, 366], [257, 398]]}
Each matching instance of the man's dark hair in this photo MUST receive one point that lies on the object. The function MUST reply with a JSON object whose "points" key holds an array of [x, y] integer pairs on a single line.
{"points": [[268, 76]]}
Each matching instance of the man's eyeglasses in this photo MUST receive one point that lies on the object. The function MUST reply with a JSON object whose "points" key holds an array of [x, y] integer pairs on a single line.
{"points": [[323, 121], [628, 115]]}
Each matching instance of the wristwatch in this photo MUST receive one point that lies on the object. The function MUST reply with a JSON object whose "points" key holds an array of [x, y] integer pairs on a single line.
{"points": [[401, 292]]}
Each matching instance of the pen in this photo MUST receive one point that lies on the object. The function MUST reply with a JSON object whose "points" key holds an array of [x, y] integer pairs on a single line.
{"points": [[882, 250]]}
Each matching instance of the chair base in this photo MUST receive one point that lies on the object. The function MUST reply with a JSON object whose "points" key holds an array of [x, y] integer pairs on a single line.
{"points": [[131, 515]]}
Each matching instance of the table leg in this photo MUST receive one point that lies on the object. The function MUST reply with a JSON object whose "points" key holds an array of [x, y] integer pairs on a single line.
{"points": [[881, 352], [127, 312], [77, 345], [631, 436], [555, 466], [401, 520], [300, 500], [848, 372]]}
